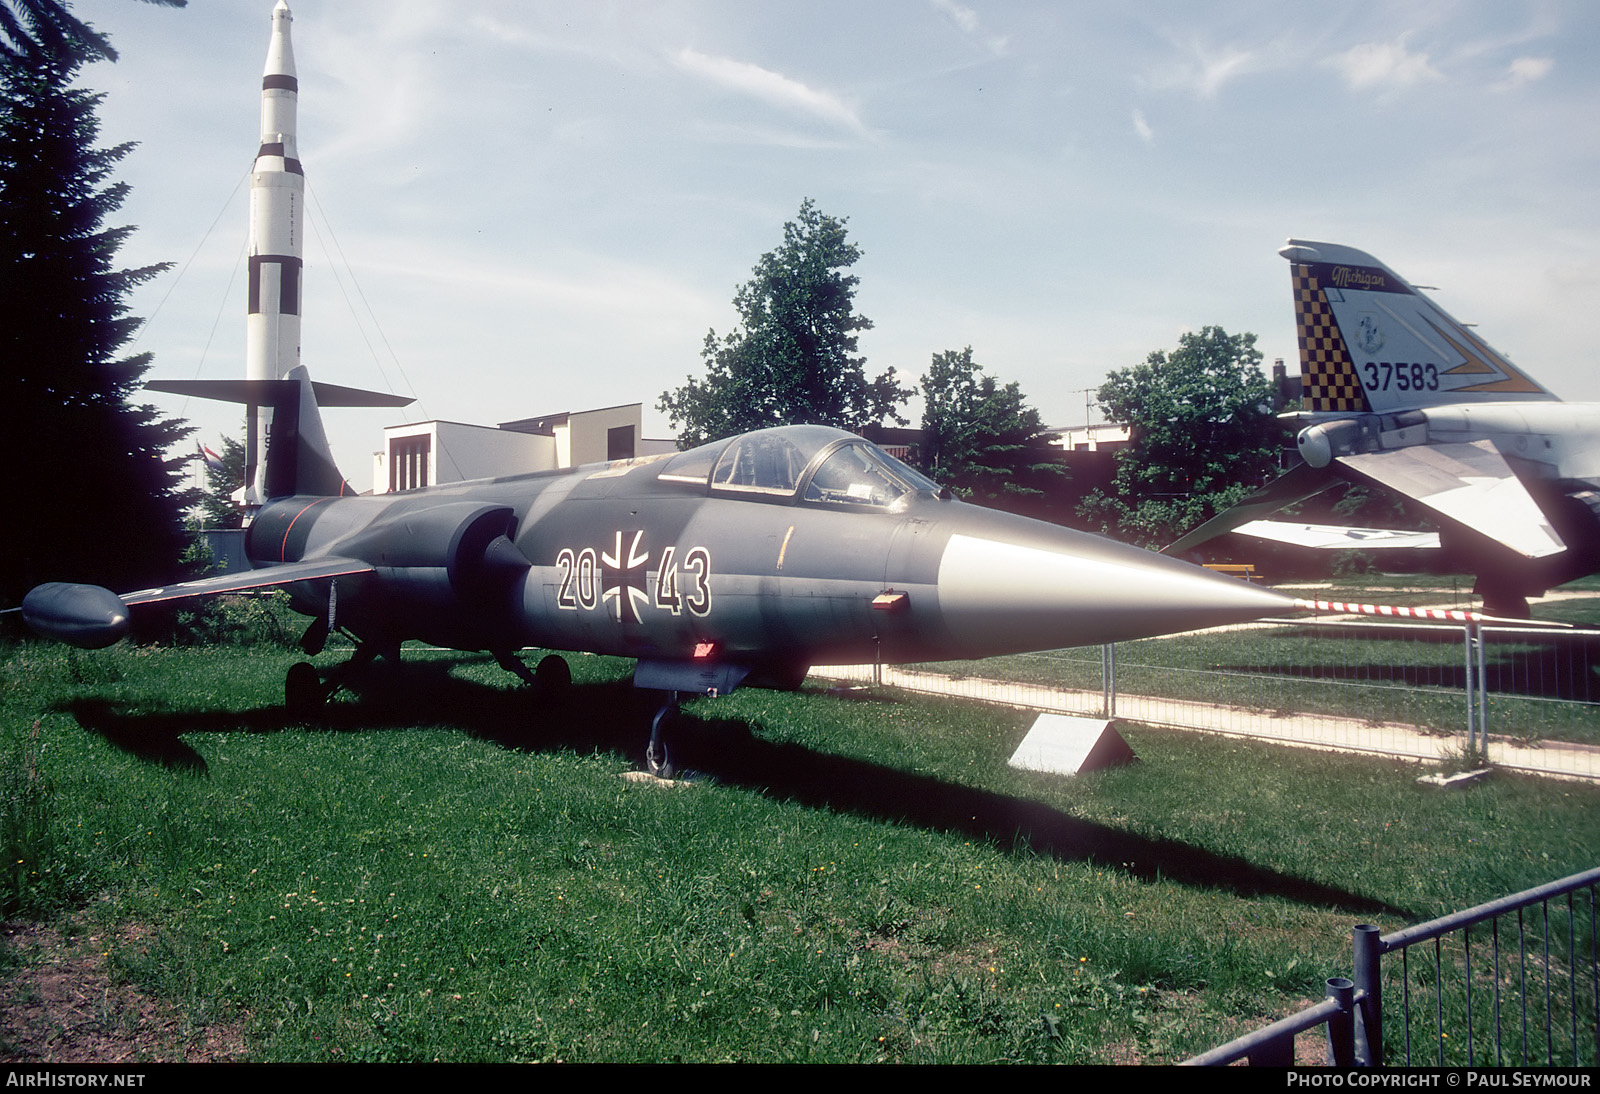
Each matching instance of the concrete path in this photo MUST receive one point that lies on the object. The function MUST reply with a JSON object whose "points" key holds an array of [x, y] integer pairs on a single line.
{"points": [[1304, 730]]}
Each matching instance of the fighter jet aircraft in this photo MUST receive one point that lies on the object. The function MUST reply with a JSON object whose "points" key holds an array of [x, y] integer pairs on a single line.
{"points": [[1400, 395], [747, 560], [743, 561]]}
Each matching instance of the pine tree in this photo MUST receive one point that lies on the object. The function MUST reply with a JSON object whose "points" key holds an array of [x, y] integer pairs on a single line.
{"points": [[216, 507], [87, 488]]}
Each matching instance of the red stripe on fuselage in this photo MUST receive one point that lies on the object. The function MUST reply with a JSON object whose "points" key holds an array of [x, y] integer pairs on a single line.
{"points": [[283, 550]]}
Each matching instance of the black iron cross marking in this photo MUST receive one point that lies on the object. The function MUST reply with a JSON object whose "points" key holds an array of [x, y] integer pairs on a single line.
{"points": [[622, 579]]}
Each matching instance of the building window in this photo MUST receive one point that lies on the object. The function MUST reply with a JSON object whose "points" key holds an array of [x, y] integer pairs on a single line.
{"points": [[619, 443], [408, 462]]}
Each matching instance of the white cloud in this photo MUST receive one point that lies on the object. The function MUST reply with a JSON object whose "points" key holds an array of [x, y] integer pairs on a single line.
{"points": [[1210, 71], [1383, 64], [1202, 69], [1142, 127], [770, 87], [1525, 70], [966, 20]]}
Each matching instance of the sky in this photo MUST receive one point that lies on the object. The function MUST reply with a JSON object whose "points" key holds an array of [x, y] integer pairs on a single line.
{"points": [[522, 207]]}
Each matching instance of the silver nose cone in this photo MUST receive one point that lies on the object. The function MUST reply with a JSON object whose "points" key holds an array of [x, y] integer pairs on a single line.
{"points": [[997, 596]]}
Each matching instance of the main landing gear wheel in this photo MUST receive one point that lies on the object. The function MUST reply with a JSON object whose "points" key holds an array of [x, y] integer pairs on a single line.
{"points": [[553, 676], [303, 690]]}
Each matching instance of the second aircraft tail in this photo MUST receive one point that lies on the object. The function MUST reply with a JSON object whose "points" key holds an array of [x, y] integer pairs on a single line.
{"points": [[1371, 343]]}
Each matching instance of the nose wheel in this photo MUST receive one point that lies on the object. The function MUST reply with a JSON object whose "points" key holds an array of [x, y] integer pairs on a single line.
{"points": [[657, 757], [552, 677]]}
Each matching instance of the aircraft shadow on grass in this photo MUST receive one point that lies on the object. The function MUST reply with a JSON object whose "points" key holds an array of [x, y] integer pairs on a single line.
{"points": [[606, 717]]}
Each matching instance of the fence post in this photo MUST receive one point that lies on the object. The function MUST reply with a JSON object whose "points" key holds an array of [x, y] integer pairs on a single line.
{"points": [[1342, 1026], [1483, 694], [1108, 679], [1367, 974]]}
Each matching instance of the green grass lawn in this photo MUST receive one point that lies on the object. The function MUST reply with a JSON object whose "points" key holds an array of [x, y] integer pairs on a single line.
{"points": [[445, 871]]}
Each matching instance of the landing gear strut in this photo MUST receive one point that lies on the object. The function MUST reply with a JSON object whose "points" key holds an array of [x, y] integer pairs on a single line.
{"points": [[513, 664], [657, 759], [306, 691]]}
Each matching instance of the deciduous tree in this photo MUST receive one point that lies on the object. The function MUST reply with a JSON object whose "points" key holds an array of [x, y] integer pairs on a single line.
{"points": [[793, 357], [981, 438], [1202, 436]]}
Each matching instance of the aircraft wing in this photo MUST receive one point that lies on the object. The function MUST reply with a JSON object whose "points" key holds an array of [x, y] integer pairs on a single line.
{"points": [[267, 577], [90, 617], [1296, 484], [1327, 537], [1472, 485]]}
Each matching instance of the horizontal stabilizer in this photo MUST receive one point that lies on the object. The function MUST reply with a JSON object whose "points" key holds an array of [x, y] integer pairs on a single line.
{"points": [[1297, 484], [1328, 537], [1472, 485], [268, 392]]}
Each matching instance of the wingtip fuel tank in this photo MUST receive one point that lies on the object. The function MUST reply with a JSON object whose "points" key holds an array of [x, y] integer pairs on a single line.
{"points": [[85, 616]]}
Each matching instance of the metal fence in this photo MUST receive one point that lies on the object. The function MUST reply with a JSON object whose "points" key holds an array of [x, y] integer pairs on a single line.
{"points": [[1528, 697], [1514, 982]]}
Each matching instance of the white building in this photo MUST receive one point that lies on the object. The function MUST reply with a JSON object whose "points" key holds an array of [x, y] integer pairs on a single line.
{"points": [[1089, 438], [432, 453]]}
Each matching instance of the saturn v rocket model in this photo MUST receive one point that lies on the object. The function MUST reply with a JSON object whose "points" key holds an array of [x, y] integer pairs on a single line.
{"points": [[277, 235]]}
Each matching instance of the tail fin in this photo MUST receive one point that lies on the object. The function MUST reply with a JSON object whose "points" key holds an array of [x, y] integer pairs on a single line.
{"points": [[299, 460], [1370, 342]]}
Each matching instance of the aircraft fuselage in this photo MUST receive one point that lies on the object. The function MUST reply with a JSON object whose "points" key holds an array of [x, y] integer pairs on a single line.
{"points": [[617, 559]]}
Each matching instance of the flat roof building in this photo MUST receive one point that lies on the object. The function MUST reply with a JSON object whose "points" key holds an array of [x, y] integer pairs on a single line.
{"points": [[432, 453]]}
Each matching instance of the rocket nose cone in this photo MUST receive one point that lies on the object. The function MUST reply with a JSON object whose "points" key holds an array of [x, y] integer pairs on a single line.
{"points": [[280, 52], [1010, 597]]}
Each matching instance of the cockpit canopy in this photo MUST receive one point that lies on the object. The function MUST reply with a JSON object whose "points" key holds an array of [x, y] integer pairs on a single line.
{"points": [[815, 463]]}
